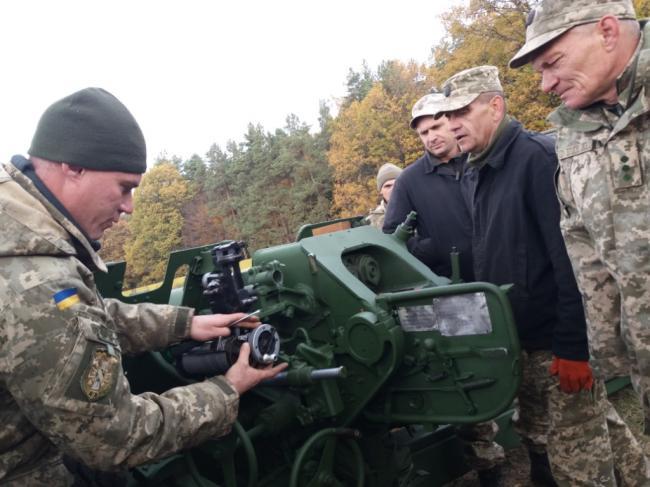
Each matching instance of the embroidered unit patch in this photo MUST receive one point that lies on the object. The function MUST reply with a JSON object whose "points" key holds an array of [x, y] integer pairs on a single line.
{"points": [[99, 377], [66, 298]]}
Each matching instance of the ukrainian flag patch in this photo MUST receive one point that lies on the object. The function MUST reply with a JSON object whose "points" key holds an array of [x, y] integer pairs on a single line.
{"points": [[66, 298]]}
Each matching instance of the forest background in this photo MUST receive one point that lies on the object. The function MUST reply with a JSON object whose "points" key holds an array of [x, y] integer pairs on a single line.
{"points": [[264, 188]]}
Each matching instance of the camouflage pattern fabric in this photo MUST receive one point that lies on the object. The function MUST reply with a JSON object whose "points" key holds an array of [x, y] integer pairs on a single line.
{"points": [[552, 18], [604, 189], [481, 451], [62, 388], [630, 462], [49, 472], [427, 106], [376, 216], [582, 433], [464, 87]]}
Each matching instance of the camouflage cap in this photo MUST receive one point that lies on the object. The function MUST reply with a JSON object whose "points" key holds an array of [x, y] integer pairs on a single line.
{"points": [[463, 88], [552, 18], [428, 105]]}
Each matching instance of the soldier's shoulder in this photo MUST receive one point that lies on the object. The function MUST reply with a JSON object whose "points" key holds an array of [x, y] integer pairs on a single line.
{"points": [[380, 210], [415, 169], [4, 175], [416, 163], [30, 280], [545, 141]]}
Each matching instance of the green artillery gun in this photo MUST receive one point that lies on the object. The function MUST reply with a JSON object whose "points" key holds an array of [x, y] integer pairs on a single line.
{"points": [[381, 352]]}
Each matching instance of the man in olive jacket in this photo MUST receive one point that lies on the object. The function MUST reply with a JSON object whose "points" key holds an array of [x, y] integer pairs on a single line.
{"points": [[62, 387]]}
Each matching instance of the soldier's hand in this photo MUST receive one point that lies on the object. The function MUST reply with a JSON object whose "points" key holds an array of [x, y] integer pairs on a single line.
{"points": [[574, 375], [244, 377], [207, 327]]}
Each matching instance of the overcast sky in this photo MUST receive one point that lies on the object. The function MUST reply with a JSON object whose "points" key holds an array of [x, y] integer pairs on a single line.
{"points": [[197, 72]]}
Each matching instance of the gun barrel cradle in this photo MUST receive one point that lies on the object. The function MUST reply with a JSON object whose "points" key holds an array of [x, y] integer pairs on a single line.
{"points": [[374, 340]]}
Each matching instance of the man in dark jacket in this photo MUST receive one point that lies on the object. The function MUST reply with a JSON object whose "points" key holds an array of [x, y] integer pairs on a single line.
{"points": [[431, 187], [509, 189]]}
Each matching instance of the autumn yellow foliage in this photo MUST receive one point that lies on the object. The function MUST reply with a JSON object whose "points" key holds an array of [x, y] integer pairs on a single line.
{"points": [[155, 224], [372, 130], [369, 133], [264, 188]]}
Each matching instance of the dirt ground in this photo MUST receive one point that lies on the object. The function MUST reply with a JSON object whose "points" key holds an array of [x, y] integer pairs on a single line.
{"points": [[517, 467]]}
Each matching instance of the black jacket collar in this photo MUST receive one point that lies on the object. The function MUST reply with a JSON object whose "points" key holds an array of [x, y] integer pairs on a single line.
{"points": [[497, 156], [432, 163]]}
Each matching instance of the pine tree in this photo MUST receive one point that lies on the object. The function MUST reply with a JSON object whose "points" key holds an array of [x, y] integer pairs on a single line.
{"points": [[155, 224]]}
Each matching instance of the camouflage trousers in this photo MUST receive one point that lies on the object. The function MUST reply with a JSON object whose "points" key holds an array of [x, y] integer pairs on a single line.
{"points": [[481, 451], [585, 438], [619, 344]]}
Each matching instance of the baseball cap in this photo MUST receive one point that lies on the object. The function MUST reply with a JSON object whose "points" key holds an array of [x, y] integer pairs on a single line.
{"points": [[552, 18]]}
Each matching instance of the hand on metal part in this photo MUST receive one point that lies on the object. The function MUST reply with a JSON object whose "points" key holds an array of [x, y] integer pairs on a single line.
{"points": [[574, 375], [244, 377], [207, 327]]}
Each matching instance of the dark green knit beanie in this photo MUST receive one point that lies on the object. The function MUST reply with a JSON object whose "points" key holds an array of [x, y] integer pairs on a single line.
{"points": [[92, 129]]}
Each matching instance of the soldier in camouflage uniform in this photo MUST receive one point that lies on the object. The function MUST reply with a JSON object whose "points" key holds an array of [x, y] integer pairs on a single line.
{"points": [[516, 239], [386, 177], [595, 56], [62, 388]]}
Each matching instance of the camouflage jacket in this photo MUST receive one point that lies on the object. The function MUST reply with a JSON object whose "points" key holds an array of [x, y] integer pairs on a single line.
{"points": [[62, 388], [604, 190], [376, 216]]}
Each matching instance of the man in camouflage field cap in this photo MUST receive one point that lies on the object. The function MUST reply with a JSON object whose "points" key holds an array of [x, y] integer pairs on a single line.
{"points": [[596, 57], [62, 387], [508, 187], [430, 186]]}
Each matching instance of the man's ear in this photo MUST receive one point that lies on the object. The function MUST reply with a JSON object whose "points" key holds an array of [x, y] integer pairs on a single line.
{"points": [[72, 171], [609, 30], [498, 106]]}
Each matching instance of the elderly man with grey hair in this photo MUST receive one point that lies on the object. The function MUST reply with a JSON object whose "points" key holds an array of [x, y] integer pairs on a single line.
{"points": [[595, 56], [516, 239]]}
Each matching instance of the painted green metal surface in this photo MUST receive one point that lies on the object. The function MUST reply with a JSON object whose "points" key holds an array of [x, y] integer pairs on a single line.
{"points": [[418, 352]]}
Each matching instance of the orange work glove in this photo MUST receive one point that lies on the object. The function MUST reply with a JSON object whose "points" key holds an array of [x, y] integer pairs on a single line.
{"points": [[575, 375]]}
